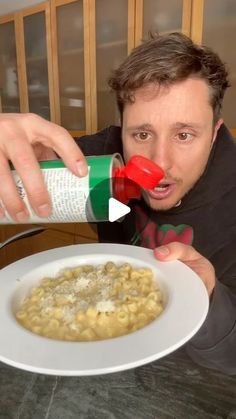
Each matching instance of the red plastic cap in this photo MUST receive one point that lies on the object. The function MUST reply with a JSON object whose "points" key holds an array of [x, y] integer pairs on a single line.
{"points": [[125, 189], [143, 171], [139, 172]]}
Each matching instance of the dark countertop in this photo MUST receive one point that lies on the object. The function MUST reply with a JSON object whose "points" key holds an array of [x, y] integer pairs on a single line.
{"points": [[173, 387]]}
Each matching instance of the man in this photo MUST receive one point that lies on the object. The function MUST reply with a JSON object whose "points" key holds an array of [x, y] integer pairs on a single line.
{"points": [[169, 92]]}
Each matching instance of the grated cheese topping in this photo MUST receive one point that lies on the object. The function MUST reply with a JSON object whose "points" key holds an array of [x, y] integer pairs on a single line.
{"points": [[91, 288]]}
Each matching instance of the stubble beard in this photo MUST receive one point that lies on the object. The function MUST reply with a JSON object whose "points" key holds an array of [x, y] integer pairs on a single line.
{"points": [[153, 203]]}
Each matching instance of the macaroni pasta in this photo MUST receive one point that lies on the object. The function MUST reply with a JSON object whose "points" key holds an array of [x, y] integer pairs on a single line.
{"points": [[92, 302]]}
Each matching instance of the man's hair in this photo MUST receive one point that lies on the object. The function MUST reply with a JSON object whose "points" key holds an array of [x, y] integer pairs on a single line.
{"points": [[168, 59]]}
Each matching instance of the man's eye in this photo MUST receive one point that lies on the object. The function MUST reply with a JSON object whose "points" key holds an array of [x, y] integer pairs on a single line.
{"points": [[185, 136], [142, 136]]}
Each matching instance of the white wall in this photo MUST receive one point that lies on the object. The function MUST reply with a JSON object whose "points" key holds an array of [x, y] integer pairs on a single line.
{"points": [[9, 6]]}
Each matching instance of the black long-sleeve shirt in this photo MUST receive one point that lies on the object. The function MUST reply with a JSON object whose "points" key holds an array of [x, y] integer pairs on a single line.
{"points": [[205, 219]]}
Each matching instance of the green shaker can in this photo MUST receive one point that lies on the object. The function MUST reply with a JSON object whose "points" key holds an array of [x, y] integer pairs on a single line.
{"points": [[74, 199], [86, 199]]}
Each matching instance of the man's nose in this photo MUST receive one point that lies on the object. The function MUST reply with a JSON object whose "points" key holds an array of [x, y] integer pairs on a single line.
{"points": [[162, 156]]}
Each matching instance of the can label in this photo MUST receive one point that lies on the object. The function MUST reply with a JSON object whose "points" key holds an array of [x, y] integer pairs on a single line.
{"points": [[73, 199]]}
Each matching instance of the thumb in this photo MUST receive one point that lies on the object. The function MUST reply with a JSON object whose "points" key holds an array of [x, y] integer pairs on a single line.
{"points": [[176, 250]]}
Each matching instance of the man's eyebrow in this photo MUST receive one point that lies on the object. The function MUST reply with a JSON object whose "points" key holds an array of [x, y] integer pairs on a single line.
{"points": [[176, 125], [142, 127], [179, 125]]}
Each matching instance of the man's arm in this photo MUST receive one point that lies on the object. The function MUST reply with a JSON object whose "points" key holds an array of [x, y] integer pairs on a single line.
{"points": [[214, 345]]}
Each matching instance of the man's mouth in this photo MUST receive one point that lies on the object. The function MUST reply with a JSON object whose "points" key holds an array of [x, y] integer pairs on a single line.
{"points": [[162, 187], [162, 191]]}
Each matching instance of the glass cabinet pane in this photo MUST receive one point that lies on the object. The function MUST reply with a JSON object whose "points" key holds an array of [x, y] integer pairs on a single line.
{"points": [[219, 28], [36, 64], [111, 49], [9, 94], [70, 28], [162, 16]]}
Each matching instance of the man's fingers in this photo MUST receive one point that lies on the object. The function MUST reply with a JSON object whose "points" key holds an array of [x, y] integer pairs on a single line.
{"points": [[175, 250], [2, 212], [25, 138], [33, 129], [189, 256], [9, 196], [58, 138], [23, 158], [44, 153]]}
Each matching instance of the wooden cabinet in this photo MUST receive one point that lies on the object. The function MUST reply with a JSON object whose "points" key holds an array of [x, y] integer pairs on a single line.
{"points": [[218, 31], [66, 49], [9, 81], [114, 23], [212, 23], [161, 16], [26, 72], [63, 53], [35, 57], [56, 57], [89, 38], [71, 64], [55, 235]]}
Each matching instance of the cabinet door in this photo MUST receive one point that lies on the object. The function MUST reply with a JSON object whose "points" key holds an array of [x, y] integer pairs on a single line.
{"points": [[9, 91], [71, 70], [114, 23], [38, 63], [55, 235], [161, 16], [219, 28]]}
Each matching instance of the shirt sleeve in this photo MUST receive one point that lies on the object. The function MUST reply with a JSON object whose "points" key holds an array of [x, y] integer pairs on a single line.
{"points": [[106, 141], [214, 345]]}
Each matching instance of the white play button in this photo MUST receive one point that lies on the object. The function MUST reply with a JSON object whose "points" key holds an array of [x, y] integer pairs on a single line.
{"points": [[117, 209]]}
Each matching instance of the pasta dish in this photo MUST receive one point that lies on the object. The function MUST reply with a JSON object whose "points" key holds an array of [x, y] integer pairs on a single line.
{"points": [[88, 303]]}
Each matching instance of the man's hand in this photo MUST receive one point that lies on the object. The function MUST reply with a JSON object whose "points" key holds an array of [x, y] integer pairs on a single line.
{"points": [[191, 258], [25, 139]]}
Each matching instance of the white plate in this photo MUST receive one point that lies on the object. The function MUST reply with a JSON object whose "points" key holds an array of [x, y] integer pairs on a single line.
{"points": [[186, 306]]}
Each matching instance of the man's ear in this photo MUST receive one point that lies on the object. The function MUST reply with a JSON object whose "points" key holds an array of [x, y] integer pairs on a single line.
{"points": [[216, 128]]}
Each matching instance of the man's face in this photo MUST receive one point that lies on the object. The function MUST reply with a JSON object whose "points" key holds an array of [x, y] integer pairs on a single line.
{"points": [[174, 128]]}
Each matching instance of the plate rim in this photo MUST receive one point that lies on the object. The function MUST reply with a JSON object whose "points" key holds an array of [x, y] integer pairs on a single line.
{"points": [[32, 262]]}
